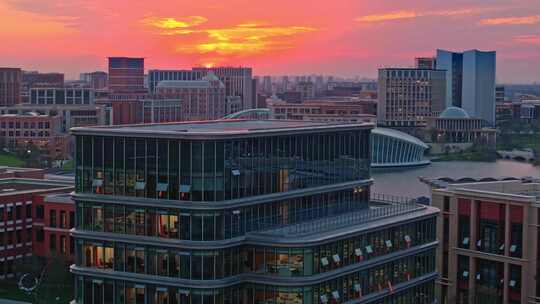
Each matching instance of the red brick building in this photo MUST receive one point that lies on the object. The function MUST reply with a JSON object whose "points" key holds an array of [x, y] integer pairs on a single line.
{"points": [[126, 74], [55, 216], [43, 131], [10, 86], [17, 214]]}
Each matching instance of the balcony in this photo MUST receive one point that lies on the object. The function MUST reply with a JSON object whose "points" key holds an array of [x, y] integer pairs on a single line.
{"points": [[379, 208]]}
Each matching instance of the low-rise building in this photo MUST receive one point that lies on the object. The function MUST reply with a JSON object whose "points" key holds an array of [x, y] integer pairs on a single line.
{"points": [[19, 219], [32, 129], [489, 249], [329, 109], [455, 126]]}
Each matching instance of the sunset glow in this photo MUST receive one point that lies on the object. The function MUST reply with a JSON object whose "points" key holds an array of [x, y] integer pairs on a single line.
{"points": [[274, 37]]}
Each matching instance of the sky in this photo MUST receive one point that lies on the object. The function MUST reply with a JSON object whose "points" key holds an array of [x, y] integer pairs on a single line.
{"points": [[275, 37]]}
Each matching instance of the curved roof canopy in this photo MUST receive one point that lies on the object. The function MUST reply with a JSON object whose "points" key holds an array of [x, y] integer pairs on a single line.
{"points": [[454, 112], [399, 135]]}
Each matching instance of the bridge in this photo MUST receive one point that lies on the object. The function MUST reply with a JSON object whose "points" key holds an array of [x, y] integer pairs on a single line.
{"points": [[259, 113]]}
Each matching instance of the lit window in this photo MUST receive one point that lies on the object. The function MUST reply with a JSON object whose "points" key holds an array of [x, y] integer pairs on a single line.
{"points": [[324, 261]]}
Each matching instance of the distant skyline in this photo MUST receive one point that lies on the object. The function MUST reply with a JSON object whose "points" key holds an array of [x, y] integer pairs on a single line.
{"points": [[276, 37]]}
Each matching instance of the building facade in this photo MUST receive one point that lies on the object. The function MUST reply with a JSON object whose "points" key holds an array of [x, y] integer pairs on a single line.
{"points": [[490, 237], [18, 214], [454, 125], [155, 76], [126, 74], [470, 81], [10, 86], [62, 96], [237, 81], [96, 80], [429, 63], [337, 109], [408, 97], [21, 131], [242, 212], [202, 99], [393, 149]]}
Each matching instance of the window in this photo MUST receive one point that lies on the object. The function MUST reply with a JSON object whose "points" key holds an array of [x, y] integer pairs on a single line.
{"points": [[63, 220], [52, 243], [63, 244], [40, 212], [28, 211], [40, 236], [18, 236], [52, 218], [28, 235], [18, 212], [71, 219]]}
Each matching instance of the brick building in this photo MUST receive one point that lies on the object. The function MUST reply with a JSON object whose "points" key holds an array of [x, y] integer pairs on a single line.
{"points": [[489, 236], [17, 214], [52, 223], [42, 131]]}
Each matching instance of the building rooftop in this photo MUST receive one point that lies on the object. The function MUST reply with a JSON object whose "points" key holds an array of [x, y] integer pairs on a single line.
{"points": [[525, 190], [399, 135], [11, 186], [454, 113], [219, 128]]}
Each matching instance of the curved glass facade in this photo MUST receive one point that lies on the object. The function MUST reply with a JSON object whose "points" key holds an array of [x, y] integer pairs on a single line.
{"points": [[157, 216], [391, 148]]}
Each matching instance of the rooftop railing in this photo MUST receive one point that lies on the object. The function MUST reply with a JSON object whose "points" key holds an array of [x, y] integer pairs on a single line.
{"points": [[380, 207]]}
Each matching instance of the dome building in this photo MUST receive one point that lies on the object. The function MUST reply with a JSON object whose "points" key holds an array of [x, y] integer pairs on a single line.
{"points": [[455, 125]]}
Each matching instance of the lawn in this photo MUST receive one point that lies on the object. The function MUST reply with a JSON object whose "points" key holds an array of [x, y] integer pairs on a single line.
{"points": [[10, 160], [518, 141], [10, 291]]}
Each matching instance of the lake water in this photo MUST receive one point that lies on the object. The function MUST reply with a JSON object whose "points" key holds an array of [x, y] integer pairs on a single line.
{"points": [[405, 182]]}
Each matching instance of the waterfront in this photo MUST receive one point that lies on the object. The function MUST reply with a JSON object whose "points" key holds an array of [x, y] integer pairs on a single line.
{"points": [[405, 182]]}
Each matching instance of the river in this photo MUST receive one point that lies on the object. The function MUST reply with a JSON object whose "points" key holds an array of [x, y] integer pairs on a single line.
{"points": [[405, 182]]}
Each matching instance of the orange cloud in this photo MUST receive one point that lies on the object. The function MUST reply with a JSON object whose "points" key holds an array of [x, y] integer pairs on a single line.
{"points": [[173, 23], [526, 20], [527, 39], [242, 39], [400, 15]]}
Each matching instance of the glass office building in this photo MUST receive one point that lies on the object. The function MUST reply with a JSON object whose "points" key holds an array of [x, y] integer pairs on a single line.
{"points": [[231, 212]]}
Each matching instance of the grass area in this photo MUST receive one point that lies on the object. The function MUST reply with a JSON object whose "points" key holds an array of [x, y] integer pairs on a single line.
{"points": [[47, 293], [518, 141], [472, 154], [11, 160], [10, 291]]}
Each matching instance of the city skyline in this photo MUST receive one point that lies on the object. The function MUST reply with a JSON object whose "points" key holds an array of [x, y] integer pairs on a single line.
{"points": [[354, 38]]}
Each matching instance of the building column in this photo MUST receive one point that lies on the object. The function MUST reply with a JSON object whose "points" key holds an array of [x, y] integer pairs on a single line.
{"points": [[506, 281], [472, 261], [507, 229], [528, 248]]}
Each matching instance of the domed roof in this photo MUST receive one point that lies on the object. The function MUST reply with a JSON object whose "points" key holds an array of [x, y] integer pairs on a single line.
{"points": [[454, 112]]}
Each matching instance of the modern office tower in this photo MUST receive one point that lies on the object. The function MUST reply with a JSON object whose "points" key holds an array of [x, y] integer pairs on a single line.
{"points": [[408, 97], [429, 63], [470, 78], [202, 99], [452, 63], [237, 81], [126, 74], [490, 236], [97, 80], [243, 212], [479, 84], [155, 76], [267, 85], [10, 86]]}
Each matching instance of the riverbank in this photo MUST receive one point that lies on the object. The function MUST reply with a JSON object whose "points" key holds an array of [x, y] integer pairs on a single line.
{"points": [[473, 154]]}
